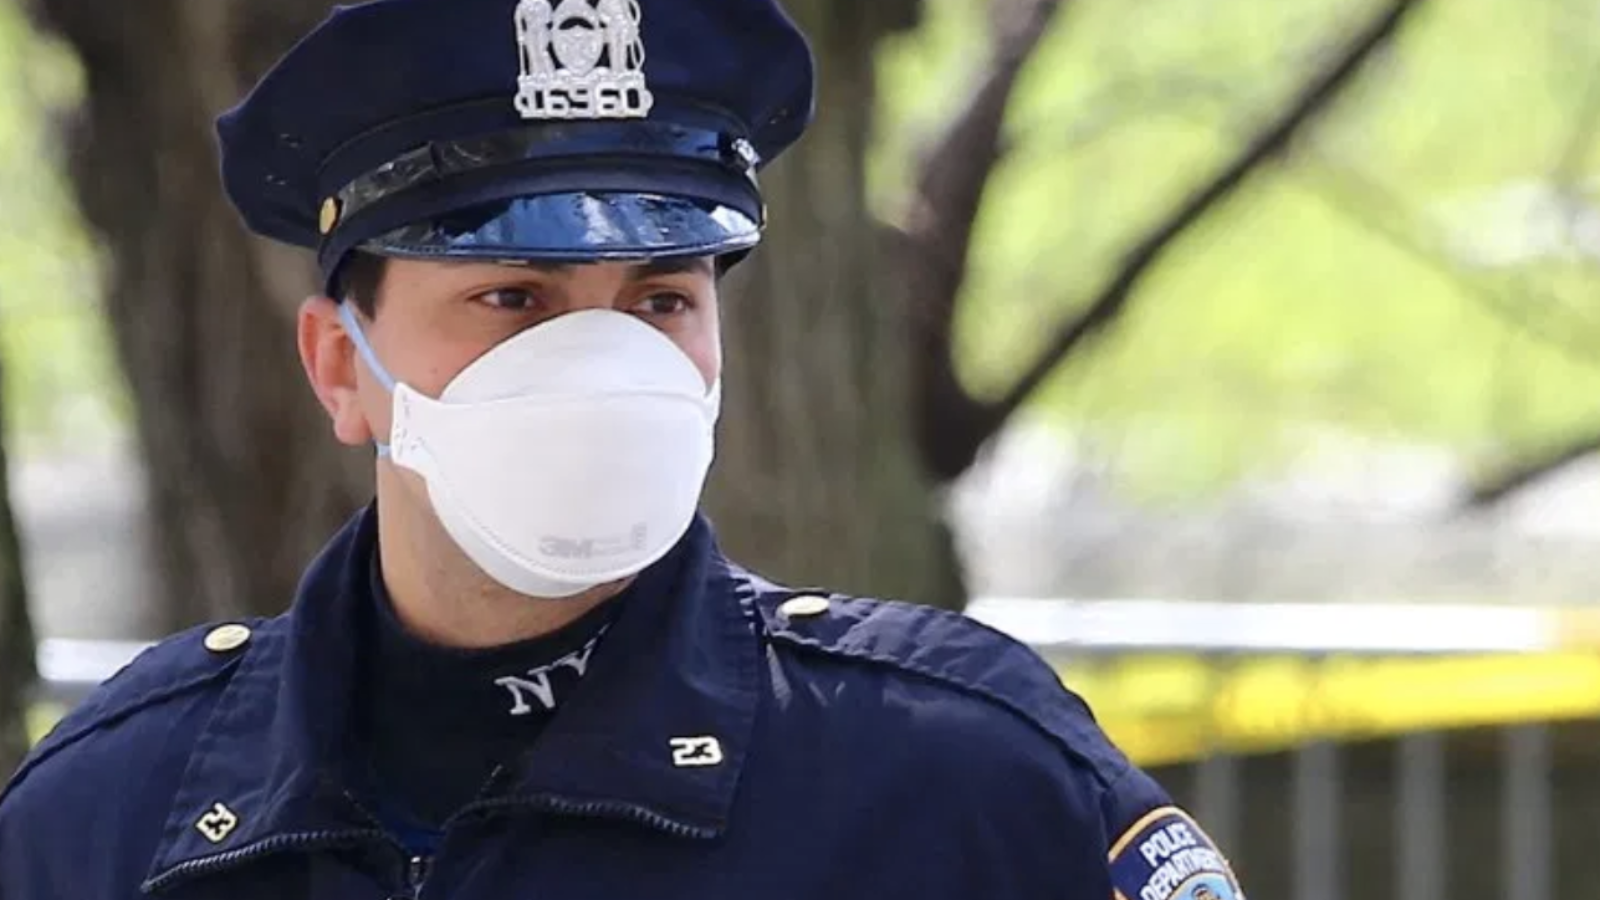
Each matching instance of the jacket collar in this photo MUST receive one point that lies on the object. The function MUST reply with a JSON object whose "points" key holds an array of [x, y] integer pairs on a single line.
{"points": [[657, 733]]}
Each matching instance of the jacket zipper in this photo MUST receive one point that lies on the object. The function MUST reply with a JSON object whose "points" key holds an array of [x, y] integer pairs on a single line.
{"points": [[416, 867], [416, 875], [302, 842], [597, 809]]}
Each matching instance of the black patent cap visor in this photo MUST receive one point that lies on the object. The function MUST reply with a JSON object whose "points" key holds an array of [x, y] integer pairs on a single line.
{"points": [[576, 226], [553, 193]]}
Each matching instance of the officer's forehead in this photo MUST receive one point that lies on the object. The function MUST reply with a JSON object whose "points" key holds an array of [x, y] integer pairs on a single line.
{"points": [[636, 270]]}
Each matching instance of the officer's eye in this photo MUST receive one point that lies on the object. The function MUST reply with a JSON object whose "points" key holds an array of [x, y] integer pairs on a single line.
{"points": [[663, 304], [510, 299]]}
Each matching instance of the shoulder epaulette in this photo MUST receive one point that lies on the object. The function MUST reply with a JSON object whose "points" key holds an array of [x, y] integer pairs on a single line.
{"points": [[185, 662], [947, 648]]}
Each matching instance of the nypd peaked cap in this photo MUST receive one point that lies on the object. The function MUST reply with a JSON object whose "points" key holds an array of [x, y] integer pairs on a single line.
{"points": [[559, 130]]}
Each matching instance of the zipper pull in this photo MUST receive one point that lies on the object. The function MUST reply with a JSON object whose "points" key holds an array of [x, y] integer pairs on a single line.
{"points": [[416, 874]]}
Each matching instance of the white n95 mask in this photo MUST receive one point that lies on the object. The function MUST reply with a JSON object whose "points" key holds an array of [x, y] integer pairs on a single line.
{"points": [[571, 455]]}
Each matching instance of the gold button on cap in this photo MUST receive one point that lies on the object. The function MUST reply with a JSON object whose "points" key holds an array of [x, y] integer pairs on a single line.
{"points": [[799, 607], [227, 637], [329, 215]]}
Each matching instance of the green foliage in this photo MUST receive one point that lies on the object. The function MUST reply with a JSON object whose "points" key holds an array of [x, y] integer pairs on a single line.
{"points": [[42, 718], [1336, 291], [61, 385]]}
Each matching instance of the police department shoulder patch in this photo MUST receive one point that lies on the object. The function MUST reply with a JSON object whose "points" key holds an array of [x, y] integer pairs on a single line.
{"points": [[1167, 856]]}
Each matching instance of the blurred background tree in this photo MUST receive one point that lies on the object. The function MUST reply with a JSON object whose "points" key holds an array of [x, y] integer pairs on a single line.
{"points": [[49, 315], [18, 668], [244, 480]]}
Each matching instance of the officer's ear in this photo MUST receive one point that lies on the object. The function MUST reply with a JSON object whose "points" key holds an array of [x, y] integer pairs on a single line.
{"points": [[330, 360]]}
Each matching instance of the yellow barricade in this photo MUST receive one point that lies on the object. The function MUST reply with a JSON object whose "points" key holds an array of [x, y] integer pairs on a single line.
{"points": [[1171, 709]]}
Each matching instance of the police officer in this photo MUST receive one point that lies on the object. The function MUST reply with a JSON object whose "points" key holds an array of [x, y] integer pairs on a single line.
{"points": [[526, 670]]}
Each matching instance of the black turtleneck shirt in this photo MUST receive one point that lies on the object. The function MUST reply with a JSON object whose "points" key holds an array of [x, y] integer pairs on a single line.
{"points": [[435, 723]]}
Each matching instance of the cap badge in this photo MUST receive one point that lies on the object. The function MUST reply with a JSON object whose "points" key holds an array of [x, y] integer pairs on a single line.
{"points": [[581, 59]]}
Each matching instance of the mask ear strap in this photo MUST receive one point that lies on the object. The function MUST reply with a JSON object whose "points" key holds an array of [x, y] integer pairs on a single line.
{"points": [[352, 327]]}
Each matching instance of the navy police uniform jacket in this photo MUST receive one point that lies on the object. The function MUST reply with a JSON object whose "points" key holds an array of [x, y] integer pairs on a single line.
{"points": [[727, 743]]}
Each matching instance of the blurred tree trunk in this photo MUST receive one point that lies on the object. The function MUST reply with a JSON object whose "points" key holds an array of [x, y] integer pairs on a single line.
{"points": [[819, 479], [244, 478], [18, 668]]}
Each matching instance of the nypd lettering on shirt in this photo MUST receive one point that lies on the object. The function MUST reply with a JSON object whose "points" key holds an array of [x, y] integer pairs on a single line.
{"points": [[1166, 856], [540, 683]]}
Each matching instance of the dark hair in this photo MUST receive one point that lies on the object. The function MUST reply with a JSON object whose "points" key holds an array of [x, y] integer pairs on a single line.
{"points": [[359, 278]]}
